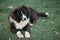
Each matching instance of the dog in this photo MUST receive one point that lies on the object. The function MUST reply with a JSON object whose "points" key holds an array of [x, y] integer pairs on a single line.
{"points": [[22, 18]]}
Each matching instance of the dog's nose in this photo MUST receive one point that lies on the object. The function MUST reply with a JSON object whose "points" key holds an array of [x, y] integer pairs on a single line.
{"points": [[24, 18]]}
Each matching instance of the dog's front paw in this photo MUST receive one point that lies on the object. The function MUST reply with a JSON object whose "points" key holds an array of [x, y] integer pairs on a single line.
{"points": [[27, 34], [19, 35]]}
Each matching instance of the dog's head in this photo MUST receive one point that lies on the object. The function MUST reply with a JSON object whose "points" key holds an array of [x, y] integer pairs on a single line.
{"points": [[21, 13]]}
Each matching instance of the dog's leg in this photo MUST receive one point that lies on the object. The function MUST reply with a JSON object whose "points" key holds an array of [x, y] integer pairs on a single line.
{"points": [[19, 34], [26, 29], [16, 31], [27, 34], [12, 28]]}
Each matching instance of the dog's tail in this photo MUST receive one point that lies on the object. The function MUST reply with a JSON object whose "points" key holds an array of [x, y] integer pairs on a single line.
{"points": [[43, 14]]}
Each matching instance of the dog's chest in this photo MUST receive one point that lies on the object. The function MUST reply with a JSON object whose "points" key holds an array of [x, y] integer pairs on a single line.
{"points": [[21, 24]]}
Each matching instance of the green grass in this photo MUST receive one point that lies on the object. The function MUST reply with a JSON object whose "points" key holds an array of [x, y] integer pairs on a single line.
{"points": [[43, 30]]}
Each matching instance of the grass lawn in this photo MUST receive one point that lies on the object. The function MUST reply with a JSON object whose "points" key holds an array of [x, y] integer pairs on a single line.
{"points": [[43, 30]]}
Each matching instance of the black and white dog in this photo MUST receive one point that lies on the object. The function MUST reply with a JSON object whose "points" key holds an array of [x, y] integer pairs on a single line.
{"points": [[22, 18]]}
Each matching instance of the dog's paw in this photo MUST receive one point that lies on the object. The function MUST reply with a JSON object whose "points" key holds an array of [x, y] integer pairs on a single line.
{"points": [[19, 35], [31, 24], [27, 34]]}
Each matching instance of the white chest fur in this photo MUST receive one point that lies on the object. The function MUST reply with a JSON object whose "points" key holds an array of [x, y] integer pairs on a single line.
{"points": [[21, 24]]}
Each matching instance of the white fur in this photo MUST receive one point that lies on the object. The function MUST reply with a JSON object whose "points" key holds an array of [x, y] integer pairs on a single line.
{"points": [[21, 24], [27, 34], [23, 16], [19, 34], [47, 13], [30, 24]]}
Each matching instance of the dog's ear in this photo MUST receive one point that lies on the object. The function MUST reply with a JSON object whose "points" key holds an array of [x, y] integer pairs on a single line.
{"points": [[23, 6], [16, 10], [27, 8]]}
